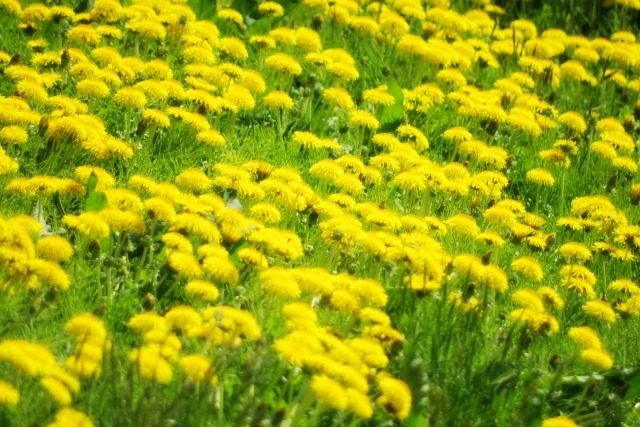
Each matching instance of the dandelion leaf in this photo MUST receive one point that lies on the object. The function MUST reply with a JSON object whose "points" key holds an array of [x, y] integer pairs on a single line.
{"points": [[392, 115], [94, 200]]}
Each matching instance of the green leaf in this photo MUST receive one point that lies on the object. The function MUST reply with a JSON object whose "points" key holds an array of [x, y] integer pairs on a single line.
{"points": [[94, 200], [245, 7], [415, 420], [633, 391], [393, 114]]}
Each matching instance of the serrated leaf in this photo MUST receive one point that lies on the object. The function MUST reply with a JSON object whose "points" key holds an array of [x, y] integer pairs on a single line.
{"points": [[94, 200], [393, 114]]}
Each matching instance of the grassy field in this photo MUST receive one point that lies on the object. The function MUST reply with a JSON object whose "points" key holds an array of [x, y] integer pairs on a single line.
{"points": [[327, 212]]}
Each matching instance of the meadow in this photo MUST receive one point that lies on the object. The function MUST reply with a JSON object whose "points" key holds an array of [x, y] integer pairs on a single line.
{"points": [[319, 213]]}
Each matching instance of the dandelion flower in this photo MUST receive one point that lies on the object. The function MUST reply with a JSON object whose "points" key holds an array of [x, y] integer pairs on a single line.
{"points": [[330, 392], [196, 367], [540, 177], [339, 97], [130, 97], [528, 267], [585, 337], [561, 421], [66, 417], [395, 396], [363, 119], [13, 135], [211, 137], [270, 9], [600, 310], [624, 286], [597, 357], [9, 395], [54, 248], [574, 250], [283, 63], [278, 99]]}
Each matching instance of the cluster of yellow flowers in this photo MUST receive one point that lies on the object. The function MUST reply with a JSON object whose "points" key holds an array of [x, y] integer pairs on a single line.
{"points": [[124, 80]]}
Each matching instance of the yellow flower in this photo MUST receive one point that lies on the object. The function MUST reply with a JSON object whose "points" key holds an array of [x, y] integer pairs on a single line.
{"points": [[147, 28], [197, 368], [528, 298], [176, 242], [130, 97], [234, 47], [457, 134], [573, 120], [283, 63], [202, 289], [262, 42], [194, 180], [625, 286], [279, 282], [452, 76], [185, 265], [148, 321], [536, 320], [339, 97], [67, 417], [278, 99], [9, 395], [598, 357], [122, 220], [528, 267], [270, 9], [265, 212], [88, 223], [550, 297], [330, 392], [379, 96], [585, 337], [463, 224], [124, 199], [221, 269], [556, 156], [561, 421], [626, 164], [57, 390], [231, 15], [308, 40], [574, 250], [32, 91], [183, 318], [93, 87], [160, 209], [14, 135], [346, 72], [363, 119], [195, 224], [410, 181], [151, 365], [54, 248], [211, 137], [600, 310], [414, 136], [253, 257], [395, 396], [345, 301], [540, 177], [491, 238]]}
